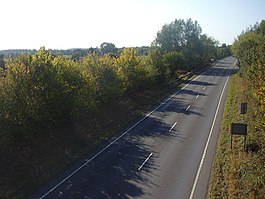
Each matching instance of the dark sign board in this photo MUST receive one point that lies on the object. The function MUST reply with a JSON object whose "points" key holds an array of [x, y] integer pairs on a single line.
{"points": [[243, 108], [239, 129]]}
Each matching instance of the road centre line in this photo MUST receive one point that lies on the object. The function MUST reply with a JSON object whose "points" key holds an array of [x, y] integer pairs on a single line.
{"points": [[188, 108], [197, 96], [124, 133], [208, 141], [203, 88], [145, 161], [173, 126]]}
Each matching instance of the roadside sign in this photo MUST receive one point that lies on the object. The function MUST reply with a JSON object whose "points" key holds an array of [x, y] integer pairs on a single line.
{"points": [[238, 129]]}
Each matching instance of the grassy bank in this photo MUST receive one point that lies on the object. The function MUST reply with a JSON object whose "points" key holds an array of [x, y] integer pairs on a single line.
{"points": [[238, 173]]}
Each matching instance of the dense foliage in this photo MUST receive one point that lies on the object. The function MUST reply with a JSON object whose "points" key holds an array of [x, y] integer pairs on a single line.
{"points": [[42, 90], [250, 50], [186, 38]]}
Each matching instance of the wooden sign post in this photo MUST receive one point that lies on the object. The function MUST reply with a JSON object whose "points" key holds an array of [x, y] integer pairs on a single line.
{"points": [[243, 109]]}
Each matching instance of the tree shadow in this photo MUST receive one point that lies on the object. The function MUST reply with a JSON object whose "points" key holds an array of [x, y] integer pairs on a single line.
{"points": [[219, 71], [119, 172], [191, 92], [179, 105]]}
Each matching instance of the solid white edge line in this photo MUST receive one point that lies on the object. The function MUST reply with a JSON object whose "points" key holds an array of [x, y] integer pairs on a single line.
{"points": [[173, 126], [88, 161], [145, 161], [207, 143]]}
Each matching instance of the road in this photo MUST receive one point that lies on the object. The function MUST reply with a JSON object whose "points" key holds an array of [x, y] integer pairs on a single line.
{"points": [[166, 154]]}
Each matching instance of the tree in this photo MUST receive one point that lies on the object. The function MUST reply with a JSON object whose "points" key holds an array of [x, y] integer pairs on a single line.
{"points": [[156, 60], [173, 61], [41, 91], [223, 51], [177, 35], [143, 50], [132, 72], [245, 47], [78, 53], [209, 47], [107, 48], [261, 28], [181, 36], [105, 83], [2, 61]]}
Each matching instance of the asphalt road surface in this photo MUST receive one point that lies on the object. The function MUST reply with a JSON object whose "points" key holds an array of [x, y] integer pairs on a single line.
{"points": [[166, 154]]}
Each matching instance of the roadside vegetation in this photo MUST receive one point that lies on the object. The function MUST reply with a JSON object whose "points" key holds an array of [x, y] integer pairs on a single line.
{"points": [[54, 108], [239, 173]]}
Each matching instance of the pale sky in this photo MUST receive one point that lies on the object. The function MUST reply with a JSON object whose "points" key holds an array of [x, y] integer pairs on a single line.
{"points": [[63, 24]]}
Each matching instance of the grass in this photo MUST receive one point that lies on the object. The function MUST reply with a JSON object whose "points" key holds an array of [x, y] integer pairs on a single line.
{"points": [[238, 173]]}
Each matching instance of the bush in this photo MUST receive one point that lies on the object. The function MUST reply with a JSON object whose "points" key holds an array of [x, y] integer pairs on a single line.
{"points": [[39, 91]]}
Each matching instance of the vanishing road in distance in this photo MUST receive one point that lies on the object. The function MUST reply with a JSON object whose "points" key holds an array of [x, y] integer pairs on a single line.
{"points": [[166, 154]]}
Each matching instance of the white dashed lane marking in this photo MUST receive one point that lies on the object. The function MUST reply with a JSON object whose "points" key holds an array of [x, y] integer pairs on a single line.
{"points": [[173, 126], [145, 161]]}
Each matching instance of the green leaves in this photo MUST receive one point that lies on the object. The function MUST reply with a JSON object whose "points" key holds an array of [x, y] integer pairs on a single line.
{"points": [[173, 61], [41, 91], [103, 77], [108, 48], [185, 38], [177, 35], [246, 47], [130, 70]]}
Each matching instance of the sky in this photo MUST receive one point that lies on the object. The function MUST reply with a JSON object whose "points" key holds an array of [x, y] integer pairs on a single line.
{"points": [[64, 24]]}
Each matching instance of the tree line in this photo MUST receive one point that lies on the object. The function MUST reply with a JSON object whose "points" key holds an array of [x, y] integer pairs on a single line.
{"points": [[44, 89], [75, 53]]}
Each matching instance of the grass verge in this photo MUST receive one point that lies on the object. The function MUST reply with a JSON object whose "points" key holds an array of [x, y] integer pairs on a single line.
{"points": [[238, 173]]}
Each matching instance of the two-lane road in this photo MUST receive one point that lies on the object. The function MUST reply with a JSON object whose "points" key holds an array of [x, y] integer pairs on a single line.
{"points": [[167, 154]]}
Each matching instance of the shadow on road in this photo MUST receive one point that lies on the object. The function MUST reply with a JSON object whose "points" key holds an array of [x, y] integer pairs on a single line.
{"points": [[191, 92], [179, 105], [219, 71]]}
